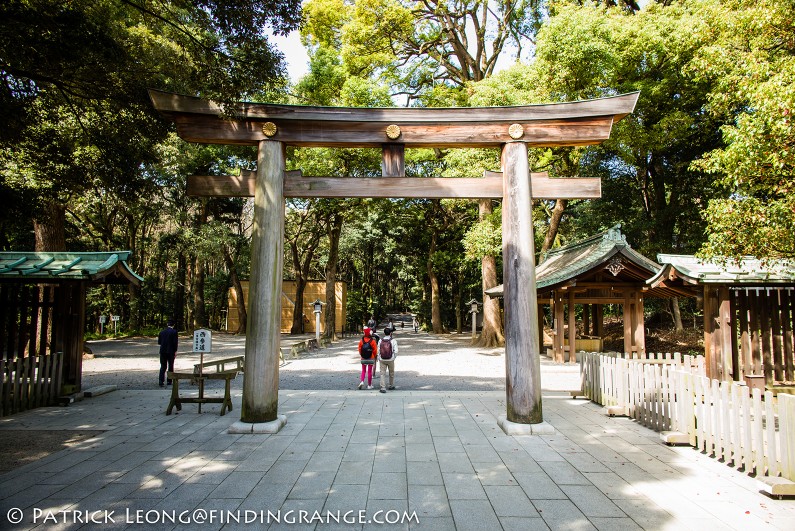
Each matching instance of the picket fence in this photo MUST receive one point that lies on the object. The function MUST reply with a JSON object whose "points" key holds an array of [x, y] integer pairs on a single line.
{"points": [[670, 393], [30, 382]]}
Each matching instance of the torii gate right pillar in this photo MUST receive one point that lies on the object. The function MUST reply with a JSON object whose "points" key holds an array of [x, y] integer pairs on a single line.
{"points": [[522, 358]]}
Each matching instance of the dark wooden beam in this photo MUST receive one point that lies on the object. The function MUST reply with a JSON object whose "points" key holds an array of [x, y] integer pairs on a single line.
{"points": [[488, 187], [549, 133], [554, 124]]}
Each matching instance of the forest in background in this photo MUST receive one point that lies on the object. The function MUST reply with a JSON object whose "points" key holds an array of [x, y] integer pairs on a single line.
{"points": [[704, 164]]}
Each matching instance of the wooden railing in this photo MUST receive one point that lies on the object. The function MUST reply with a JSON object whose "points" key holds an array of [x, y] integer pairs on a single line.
{"points": [[30, 382], [751, 431]]}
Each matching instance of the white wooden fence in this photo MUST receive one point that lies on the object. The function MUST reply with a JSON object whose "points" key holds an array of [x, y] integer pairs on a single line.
{"points": [[671, 394]]}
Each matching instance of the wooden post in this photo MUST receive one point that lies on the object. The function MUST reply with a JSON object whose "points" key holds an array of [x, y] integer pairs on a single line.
{"points": [[767, 335], [778, 351], [756, 355], [541, 330], [572, 328], [639, 324], [392, 160], [559, 328], [745, 337], [261, 377], [786, 313], [522, 363], [733, 331], [599, 320], [627, 311]]}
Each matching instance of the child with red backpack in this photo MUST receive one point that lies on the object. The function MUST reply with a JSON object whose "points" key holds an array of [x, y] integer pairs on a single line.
{"points": [[368, 350]]}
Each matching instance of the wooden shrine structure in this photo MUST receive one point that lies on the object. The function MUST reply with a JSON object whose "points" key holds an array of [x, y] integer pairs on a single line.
{"points": [[602, 269], [42, 320], [512, 129], [749, 314]]}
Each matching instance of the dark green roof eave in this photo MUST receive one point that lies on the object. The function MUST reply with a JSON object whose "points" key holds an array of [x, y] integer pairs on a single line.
{"points": [[101, 267]]}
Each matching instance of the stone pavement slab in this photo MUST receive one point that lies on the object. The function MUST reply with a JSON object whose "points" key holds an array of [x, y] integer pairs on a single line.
{"points": [[362, 460]]}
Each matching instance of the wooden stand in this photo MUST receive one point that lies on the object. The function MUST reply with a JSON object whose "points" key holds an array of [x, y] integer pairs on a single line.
{"points": [[176, 400]]}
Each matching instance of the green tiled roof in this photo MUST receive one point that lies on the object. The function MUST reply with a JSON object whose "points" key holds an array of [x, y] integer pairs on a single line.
{"points": [[109, 267], [749, 270], [568, 262]]}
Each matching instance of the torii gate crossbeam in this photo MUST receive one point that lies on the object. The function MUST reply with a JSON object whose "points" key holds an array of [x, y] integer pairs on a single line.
{"points": [[513, 129]]}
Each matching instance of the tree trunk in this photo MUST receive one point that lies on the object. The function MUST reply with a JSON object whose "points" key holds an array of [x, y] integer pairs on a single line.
{"points": [[334, 231], [179, 295], [459, 318], [491, 333], [135, 307], [48, 227], [677, 314], [242, 316], [190, 277], [554, 224], [199, 315], [298, 310], [436, 308]]}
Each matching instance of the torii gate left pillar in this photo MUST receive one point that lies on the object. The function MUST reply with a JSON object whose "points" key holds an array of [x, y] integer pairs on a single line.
{"points": [[522, 342], [259, 412]]}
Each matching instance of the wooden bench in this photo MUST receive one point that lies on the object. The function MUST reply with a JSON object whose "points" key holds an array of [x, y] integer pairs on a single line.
{"points": [[222, 365], [176, 400]]}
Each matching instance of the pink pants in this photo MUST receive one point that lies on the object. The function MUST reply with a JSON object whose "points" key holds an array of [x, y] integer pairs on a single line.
{"points": [[369, 370]]}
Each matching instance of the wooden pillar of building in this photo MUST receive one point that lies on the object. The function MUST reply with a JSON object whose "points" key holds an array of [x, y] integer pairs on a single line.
{"points": [[775, 321], [724, 334], [572, 329], [638, 324], [786, 324], [261, 377], [743, 319], [628, 318], [559, 328], [711, 347], [522, 363], [541, 329], [69, 321], [735, 366]]}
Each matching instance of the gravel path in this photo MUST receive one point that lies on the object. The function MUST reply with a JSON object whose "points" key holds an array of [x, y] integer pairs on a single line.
{"points": [[425, 362]]}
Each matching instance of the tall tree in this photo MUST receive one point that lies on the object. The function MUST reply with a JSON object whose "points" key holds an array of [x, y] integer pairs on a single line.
{"points": [[74, 85], [748, 53]]}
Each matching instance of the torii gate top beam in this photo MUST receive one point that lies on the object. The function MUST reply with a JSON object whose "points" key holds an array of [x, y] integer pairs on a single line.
{"points": [[555, 124]]}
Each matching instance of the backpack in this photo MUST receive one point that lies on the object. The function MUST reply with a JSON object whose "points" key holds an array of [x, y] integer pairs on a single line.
{"points": [[385, 350], [367, 349]]}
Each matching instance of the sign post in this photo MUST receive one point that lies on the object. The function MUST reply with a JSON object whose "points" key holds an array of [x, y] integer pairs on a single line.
{"points": [[102, 320], [115, 319], [202, 342]]}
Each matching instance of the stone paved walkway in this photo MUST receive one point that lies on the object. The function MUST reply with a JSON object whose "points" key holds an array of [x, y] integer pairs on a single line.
{"points": [[437, 456]]}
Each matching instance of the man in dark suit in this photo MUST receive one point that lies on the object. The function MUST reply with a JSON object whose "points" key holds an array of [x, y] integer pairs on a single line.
{"points": [[168, 342]]}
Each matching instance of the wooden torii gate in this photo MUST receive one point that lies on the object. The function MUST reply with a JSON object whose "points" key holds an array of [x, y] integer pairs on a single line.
{"points": [[512, 129]]}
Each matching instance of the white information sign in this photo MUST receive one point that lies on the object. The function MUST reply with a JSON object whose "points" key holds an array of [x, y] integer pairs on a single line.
{"points": [[202, 340], [103, 319], [114, 317]]}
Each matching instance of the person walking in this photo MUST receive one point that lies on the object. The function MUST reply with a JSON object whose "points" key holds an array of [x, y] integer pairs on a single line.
{"points": [[169, 342], [387, 352], [368, 351]]}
